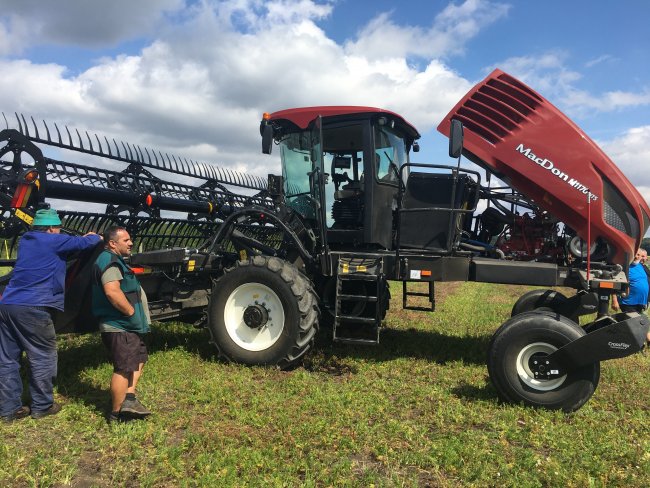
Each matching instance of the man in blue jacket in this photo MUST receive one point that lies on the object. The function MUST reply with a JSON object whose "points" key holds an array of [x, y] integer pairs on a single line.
{"points": [[35, 290]]}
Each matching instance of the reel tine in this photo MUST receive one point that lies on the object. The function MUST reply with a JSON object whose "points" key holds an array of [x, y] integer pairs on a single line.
{"points": [[81, 144], [47, 130], [69, 136], [20, 126], [58, 133], [25, 125], [35, 128]]}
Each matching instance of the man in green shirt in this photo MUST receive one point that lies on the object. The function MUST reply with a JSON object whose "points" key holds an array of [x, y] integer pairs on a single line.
{"points": [[121, 306]]}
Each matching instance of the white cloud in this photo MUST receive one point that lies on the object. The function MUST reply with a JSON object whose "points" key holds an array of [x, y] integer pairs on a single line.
{"points": [[548, 74], [200, 88], [26, 23], [381, 38], [631, 153], [583, 101], [605, 58]]}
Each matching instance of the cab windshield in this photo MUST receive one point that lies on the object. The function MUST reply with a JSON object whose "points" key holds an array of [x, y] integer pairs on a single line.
{"points": [[295, 152]]}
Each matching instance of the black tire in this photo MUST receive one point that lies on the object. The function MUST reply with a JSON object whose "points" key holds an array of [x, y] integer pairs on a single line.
{"points": [[538, 332], [270, 287], [541, 300]]}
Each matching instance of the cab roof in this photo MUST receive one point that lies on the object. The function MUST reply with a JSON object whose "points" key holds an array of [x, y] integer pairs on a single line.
{"points": [[301, 117]]}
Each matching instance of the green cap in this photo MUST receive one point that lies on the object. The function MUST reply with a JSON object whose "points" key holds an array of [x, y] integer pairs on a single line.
{"points": [[46, 217]]}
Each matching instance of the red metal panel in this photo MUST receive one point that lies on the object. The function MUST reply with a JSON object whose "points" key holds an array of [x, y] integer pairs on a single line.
{"points": [[514, 131], [301, 117]]}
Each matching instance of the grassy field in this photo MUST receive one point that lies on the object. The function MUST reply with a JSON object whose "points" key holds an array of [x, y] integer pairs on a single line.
{"points": [[418, 410]]}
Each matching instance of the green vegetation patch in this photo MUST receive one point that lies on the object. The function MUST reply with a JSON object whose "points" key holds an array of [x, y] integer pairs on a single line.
{"points": [[417, 410]]}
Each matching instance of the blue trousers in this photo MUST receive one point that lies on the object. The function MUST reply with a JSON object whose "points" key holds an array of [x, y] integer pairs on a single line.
{"points": [[30, 330]]}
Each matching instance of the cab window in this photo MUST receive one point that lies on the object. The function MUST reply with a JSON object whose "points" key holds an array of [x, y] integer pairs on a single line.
{"points": [[390, 153]]}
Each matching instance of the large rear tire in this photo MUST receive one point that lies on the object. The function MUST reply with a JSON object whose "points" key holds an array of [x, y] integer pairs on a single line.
{"points": [[263, 311], [538, 334]]}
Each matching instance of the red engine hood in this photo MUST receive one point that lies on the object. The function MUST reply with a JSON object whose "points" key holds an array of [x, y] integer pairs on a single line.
{"points": [[514, 132]]}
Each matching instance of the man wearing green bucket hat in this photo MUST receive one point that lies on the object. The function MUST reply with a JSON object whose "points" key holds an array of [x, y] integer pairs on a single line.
{"points": [[35, 290]]}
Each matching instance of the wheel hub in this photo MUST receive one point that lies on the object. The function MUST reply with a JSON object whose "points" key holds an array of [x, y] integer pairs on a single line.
{"points": [[528, 363], [544, 369], [256, 316]]}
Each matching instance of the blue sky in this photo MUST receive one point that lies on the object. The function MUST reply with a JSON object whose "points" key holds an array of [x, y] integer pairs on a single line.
{"points": [[193, 77]]}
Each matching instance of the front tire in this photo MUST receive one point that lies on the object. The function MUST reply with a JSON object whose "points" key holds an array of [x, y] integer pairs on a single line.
{"points": [[532, 335], [263, 311]]}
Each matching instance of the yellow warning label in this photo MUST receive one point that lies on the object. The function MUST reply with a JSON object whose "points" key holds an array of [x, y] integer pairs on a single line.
{"points": [[361, 269], [28, 219], [190, 265], [346, 268], [243, 255]]}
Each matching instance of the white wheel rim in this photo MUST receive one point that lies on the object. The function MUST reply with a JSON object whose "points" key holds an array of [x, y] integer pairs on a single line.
{"points": [[527, 376], [253, 339]]}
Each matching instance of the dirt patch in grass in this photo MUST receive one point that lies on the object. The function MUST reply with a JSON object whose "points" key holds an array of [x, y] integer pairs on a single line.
{"points": [[89, 471], [318, 362]]}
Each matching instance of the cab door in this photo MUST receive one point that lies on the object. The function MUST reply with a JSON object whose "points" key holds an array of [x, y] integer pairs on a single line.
{"points": [[387, 154]]}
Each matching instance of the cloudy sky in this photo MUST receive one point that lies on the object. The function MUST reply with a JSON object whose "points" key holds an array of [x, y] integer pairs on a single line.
{"points": [[193, 77]]}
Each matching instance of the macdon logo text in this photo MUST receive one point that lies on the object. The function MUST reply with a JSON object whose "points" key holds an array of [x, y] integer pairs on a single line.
{"points": [[548, 165]]}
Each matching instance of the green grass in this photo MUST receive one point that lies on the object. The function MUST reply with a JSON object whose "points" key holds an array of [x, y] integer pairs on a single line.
{"points": [[417, 410]]}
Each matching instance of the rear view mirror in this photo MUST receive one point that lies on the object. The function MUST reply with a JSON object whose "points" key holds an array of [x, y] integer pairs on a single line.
{"points": [[267, 139], [341, 162], [455, 138]]}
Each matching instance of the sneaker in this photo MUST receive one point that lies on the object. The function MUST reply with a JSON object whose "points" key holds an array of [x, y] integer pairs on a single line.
{"points": [[53, 410], [21, 413], [133, 408]]}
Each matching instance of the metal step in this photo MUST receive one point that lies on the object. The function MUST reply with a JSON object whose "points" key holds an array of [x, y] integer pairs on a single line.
{"points": [[360, 298], [349, 340], [353, 319], [357, 277], [429, 295]]}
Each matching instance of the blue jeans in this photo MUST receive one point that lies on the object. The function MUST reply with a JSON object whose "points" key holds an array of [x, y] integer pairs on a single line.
{"points": [[28, 329]]}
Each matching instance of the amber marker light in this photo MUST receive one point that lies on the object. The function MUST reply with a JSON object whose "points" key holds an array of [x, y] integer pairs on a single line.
{"points": [[30, 176]]}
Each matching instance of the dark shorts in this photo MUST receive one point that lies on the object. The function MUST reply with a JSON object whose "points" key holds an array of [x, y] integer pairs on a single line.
{"points": [[127, 350]]}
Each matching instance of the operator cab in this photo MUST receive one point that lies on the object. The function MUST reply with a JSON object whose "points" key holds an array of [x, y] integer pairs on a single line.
{"points": [[352, 156]]}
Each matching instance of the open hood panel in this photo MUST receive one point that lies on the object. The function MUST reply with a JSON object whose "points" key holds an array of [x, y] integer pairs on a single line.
{"points": [[520, 136]]}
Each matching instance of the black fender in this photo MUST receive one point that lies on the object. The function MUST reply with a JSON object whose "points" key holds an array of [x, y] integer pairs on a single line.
{"points": [[623, 336], [261, 215]]}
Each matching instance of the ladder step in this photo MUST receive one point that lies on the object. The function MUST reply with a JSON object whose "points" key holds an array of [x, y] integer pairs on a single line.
{"points": [[351, 340], [430, 296], [360, 298], [357, 277], [418, 309], [357, 320]]}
